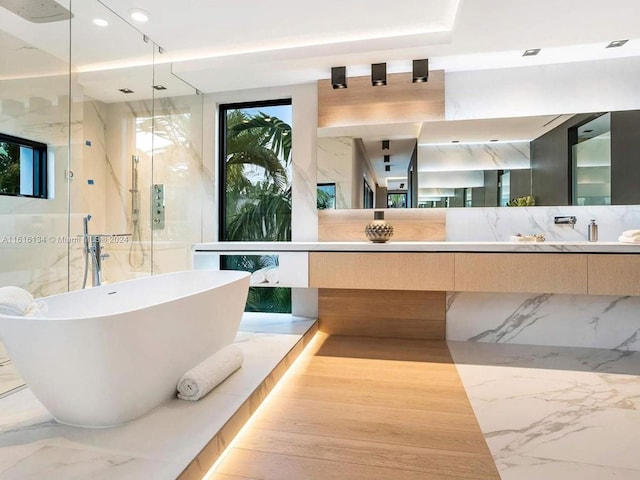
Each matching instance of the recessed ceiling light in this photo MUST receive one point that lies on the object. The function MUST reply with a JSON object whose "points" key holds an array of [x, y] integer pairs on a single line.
{"points": [[616, 43], [531, 52], [588, 131], [139, 15], [101, 22], [159, 87], [125, 90], [493, 140], [455, 141]]}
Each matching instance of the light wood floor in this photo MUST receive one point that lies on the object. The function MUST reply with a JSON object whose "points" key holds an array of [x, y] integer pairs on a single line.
{"points": [[364, 408]]}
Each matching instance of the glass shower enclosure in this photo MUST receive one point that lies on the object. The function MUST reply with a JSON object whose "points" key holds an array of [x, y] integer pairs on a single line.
{"points": [[117, 127]]}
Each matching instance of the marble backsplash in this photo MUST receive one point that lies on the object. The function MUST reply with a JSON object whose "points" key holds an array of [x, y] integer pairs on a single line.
{"points": [[498, 224]]}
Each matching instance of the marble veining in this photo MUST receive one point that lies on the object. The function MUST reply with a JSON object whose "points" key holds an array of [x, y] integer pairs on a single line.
{"points": [[565, 320], [555, 412], [498, 224], [481, 156], [158, 445]]}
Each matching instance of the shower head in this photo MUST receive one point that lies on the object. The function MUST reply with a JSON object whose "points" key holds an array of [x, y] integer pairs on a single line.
{"points": [[37, 11]]}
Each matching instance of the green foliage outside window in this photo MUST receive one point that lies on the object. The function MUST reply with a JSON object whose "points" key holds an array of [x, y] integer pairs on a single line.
{"points": [[258, 194], [9, 168]]}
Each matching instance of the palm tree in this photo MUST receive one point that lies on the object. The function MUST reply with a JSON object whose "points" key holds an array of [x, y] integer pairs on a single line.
{"points": [[9, 168], [258, 209]]}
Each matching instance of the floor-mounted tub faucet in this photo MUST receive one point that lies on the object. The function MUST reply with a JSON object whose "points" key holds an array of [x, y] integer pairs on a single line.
{"points": [[93, 250]]}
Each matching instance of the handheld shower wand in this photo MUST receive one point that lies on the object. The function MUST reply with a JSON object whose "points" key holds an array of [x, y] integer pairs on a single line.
{"points": [[136, 240], [85, 231]]}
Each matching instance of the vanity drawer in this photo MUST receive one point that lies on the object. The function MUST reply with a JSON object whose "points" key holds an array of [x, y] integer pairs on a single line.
{"points": [[524, 273], [614, 274], [381, 271]]}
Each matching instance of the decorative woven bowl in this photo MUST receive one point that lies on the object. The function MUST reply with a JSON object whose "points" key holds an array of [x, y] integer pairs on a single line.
{"points": [[379, 230]]}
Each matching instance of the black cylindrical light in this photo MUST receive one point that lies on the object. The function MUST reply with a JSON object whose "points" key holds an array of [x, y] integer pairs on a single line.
{"points": [[421, 70], [378, 74], [339, 77], [387, 158], [385, 144]]}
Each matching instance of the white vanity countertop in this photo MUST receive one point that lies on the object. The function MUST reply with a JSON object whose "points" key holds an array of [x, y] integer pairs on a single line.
{"points": [[506, 247]]}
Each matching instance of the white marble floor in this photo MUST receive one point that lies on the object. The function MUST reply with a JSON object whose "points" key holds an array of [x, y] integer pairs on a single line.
{"points": [[555, 412], [9, 378], [156, 446]]}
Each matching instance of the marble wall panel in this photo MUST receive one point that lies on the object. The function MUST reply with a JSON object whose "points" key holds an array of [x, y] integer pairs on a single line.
{"points": [[566, 320], [498, 224]]}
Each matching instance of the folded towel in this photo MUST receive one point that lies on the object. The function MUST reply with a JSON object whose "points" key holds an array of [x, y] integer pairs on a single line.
{"points": [[273, 275], [205, 376], [625, 239], [631, 233], [17, 301]]}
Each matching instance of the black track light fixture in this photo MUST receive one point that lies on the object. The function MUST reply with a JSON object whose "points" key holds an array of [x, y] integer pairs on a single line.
{"points": [[387, 168], [421, 70], [387, 158], [378, 74], [339, 77], [385, 144]]}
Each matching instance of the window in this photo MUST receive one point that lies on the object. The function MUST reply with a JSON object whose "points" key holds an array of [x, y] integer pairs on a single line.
{"points": [[591, 162], [23, 167], [326, 196], [368, 198], [255, 188], [396, 200]]}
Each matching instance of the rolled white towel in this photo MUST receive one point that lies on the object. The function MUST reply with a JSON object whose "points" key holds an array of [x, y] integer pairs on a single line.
{"points": [[625, 239], [259, 276], [273, 275], [631, 233], [205, 376], [18, 302]]}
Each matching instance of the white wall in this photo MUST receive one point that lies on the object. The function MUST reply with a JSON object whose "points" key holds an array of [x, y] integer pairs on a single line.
{"points": [[303, 154], [578, 87]]}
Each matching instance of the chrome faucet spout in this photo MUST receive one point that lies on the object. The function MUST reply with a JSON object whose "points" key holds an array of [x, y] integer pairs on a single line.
{"points": [[565, 220]]}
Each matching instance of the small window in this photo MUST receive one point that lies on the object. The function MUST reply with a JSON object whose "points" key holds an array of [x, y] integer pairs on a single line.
{"points": [[23, 167], [326, 196]]}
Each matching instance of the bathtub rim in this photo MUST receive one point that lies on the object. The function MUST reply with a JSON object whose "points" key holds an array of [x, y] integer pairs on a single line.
{"points": [[236, 275]]}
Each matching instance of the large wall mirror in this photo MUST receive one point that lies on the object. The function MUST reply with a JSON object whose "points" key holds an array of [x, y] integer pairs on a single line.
{"points": [[567, 159]]}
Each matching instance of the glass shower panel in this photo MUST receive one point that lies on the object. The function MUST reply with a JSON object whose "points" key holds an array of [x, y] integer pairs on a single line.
{"points": [[111, 89], [34, 107], [180, 180]]}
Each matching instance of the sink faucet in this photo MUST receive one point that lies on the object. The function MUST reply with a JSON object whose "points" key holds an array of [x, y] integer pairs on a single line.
{"points": [[565, 220]]}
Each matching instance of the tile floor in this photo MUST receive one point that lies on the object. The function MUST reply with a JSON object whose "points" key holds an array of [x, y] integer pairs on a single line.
{"points": [[546, 412], [555, 412]]}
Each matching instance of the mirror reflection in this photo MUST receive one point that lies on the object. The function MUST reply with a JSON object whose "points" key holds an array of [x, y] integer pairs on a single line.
{"points": [[567, 159]]}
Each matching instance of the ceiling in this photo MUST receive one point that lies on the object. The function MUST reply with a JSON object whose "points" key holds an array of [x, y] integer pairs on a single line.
{"points": [[237, 44], [240, 44]]}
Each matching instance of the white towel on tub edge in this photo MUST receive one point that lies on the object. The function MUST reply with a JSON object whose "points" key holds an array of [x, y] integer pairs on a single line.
{"points": [[17, 301]]}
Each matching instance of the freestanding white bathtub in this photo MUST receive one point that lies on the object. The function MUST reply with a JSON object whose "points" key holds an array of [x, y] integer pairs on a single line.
{"points": [[106, 355]]}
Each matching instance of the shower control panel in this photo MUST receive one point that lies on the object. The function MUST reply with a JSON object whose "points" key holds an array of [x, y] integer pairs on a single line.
{"points": [[157, 206]]}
